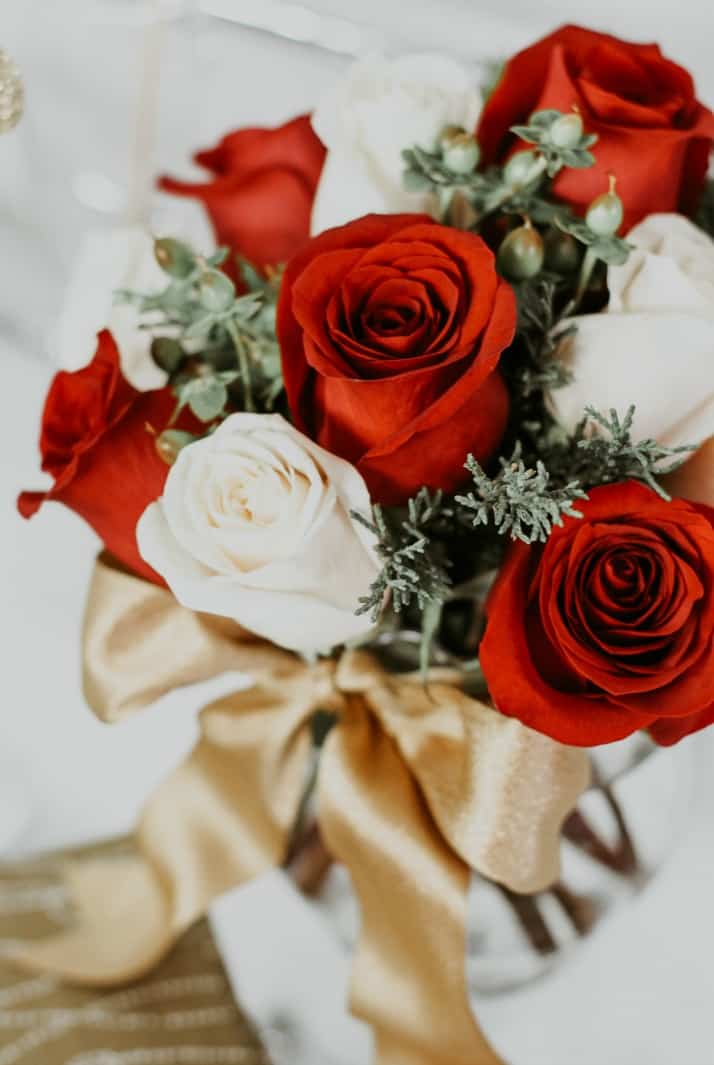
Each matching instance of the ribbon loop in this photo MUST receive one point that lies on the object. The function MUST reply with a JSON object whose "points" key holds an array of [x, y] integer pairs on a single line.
{"points": [[139, 643], [416, 786]]}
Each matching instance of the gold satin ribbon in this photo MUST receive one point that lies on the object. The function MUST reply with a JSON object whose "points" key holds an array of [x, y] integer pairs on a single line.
{"points": [[417, 786]]}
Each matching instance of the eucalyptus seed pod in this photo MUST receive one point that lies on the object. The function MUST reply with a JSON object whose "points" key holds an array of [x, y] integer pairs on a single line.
{"points": [[216, 291], [174, 258], [447, 135], [566, 131], [521, 254], [167, 353], [169, 443], [604, 215], [562, 252], [518, 168], [462, 153]]}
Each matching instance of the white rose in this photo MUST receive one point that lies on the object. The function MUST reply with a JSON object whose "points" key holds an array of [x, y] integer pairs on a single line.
{"points": [[654, 346], [254, 524], [381, 107]]}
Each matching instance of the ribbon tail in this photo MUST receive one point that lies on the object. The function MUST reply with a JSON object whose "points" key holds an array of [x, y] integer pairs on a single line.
{"points": [[139, 644], [220, 819], [409, 977]]}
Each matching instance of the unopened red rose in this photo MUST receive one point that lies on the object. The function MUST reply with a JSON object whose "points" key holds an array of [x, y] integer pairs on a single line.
{"points": [[609, 627], [96, 443], [653, 133], [391, 329], [260, 196]]}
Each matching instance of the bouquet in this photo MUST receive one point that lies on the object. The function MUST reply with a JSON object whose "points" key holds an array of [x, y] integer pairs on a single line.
{"points": [[425, 446]]}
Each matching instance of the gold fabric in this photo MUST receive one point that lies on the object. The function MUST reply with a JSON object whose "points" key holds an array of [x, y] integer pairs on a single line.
{"points": [[182, 1014], [416, 787]]}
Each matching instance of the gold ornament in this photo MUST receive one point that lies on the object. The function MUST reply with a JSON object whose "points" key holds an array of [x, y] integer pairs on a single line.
{"points": [[12, 96]]}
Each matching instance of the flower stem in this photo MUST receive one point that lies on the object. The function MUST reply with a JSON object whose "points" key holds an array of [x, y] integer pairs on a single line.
{"points": [[243, 363], [586, 272]]}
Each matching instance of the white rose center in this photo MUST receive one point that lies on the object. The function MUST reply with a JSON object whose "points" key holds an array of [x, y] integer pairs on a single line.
{"points": [[244, 502]]}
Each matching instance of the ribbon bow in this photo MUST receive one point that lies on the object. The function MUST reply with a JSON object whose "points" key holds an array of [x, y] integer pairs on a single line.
{"points": [[416, 788]]}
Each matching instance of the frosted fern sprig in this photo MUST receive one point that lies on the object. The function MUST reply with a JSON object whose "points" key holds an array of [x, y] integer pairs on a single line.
{"points": [[412, 571], [542, 330], [519, 501], [610, 454]]}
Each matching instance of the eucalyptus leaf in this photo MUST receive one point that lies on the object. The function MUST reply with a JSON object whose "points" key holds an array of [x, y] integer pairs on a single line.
{"points": [[216, 291], [527, 133], [205, 396], [544, 118], [219, 257], [174, 257]]}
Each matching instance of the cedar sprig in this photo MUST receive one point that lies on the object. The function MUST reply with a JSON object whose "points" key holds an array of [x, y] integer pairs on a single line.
{"points": [[519, 501], [414, 569], [542, 331], [602, 451]]}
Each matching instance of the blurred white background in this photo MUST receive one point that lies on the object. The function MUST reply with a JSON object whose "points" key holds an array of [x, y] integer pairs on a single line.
{"points": [[118, 90]]}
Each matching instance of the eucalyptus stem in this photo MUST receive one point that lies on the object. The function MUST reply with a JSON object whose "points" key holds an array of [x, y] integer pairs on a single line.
{"points": [[534, 174], [243, 363], [586, 272], [537, 169]]}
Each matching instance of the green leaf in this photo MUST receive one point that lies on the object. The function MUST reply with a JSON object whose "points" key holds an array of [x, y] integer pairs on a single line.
{"points": [[216, 291], [544, 118], [206, 397], [612, 251], [416, 181], [526, 133], [174, 257], [219, 257], [575, 158]]}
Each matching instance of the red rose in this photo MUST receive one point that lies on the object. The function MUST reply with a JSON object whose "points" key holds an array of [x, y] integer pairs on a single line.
{"points": [[609, 627], [653, 133], [96, 445], [391, 330], [260, 197]]}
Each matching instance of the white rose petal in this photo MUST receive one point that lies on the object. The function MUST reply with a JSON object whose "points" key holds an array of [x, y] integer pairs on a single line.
{"points": [[670, 268], [254, 524], [381, 107], [654, 346], [109, 259]]}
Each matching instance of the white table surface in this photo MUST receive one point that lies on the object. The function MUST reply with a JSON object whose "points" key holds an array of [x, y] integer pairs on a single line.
{"points": [[640, 993]]}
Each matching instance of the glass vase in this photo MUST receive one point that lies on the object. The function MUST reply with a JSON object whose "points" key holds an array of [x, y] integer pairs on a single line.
{"points": [[613, 843]]}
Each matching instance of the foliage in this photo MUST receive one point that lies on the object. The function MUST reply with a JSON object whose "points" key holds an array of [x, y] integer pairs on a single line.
{"points": [[538, 131], [602, 451], [519, 501], [218, 347], [611, 250], [541, 331], [414, 569]]}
